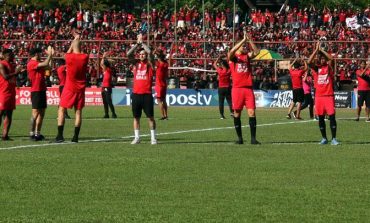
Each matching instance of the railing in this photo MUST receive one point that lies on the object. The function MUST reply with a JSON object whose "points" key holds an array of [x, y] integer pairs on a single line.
{"points": [[197, 54]]}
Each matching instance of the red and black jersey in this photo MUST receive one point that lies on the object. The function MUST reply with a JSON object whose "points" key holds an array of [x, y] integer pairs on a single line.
{"points": [[324, 81], [143, 77], [224, 77], [297, 76], [36, 76], [161, 74], [241, 71], [76, 71]]}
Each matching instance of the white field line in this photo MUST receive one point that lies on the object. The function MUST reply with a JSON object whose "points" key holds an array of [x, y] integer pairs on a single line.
{"points": [[146, 135]]}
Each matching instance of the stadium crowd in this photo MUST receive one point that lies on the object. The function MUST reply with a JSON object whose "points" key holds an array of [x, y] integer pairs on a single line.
{"points": [[289, 32]]}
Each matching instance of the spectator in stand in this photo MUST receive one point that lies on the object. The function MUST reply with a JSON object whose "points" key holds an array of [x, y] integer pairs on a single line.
{"points": [[36, 74], [363, 78], [161, 77], [106, 92], [224, 85]]}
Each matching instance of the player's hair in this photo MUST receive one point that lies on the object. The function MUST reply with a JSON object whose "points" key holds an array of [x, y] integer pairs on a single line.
{"points": [[62, 61], [106, 63], [34, 51], [7, 52], [224, 63], [296, 65]]}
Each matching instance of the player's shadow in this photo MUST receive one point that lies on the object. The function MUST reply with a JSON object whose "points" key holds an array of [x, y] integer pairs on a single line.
{"points": [[354, 143], [183, 141], [292, 142]]}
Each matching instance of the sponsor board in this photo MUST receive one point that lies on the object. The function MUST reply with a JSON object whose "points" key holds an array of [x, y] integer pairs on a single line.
{"points": [[183, 97]]}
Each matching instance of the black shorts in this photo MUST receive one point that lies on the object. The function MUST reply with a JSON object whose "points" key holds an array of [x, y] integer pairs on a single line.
{"points": [[142, 102], [107, 90], [363, 96], [61, 90], [224, 92], [38, 99], [298, 95]]}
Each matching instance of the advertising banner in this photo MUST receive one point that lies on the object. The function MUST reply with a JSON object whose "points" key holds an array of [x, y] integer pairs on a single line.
{"points": [[343, 99], [182, 97]]}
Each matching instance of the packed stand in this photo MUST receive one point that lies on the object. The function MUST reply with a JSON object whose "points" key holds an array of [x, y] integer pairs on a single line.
{"points": [[290, 32]]}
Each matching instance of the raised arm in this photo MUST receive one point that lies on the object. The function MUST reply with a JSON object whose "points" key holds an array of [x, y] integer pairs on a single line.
{"points": [[149, 52], [305, 68], [364, 71], [216, 61], [310, 59], [292, 63], [75, 45], [232, 52], [46, 62], [102, 61], [130, 53], [328, 56], [255, 51]]}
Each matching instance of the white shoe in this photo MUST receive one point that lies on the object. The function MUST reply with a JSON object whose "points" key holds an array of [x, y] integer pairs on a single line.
{"points": [[135, 141], [153, 141]]}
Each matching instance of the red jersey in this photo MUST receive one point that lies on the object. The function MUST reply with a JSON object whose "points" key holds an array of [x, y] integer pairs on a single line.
{"points": [[297, 76], [61, 71], [36, 76], [7, 87], [324, 81], [224, 76], [76, 71], [161, 74], [363, 85], [143, 76], [107, 78], [241, 71]]}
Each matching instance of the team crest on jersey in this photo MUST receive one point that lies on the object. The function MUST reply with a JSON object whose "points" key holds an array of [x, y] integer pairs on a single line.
{"points": [[241, 67], [323, 79], [141, 75]]}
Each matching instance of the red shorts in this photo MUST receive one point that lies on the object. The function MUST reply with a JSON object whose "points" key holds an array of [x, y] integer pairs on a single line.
{"points": [[161, 92], [243, 97], [71, 99], [324, 105], [7, 102]]}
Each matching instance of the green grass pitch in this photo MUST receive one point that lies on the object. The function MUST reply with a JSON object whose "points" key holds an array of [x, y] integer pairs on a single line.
{"points": [[195, 174]]}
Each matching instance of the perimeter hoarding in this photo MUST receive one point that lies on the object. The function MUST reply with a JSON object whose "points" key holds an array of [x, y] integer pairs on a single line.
{"points": [[183, 97]]}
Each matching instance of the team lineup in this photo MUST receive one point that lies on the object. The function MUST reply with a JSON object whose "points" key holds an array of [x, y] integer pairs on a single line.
{"points": [[235, 78]]}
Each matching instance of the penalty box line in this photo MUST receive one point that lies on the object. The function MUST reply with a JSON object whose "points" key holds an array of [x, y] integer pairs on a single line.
{"points": [[146, 135]]}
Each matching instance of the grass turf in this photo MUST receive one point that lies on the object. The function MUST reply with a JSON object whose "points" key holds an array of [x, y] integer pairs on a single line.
{"points": [[190, 176]]}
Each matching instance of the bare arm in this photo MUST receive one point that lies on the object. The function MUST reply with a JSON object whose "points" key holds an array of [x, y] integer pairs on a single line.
{"points": [[149, 52], [328, 56], [102, 61], [364, 71], [232, 52], [130, 54], [8, 76], [215, 63], [310, 59], [255, 50], [46, 62], [305, 68], [292, 63]]}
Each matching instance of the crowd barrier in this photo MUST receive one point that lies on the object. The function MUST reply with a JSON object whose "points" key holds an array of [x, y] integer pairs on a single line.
{"points": [[188, 97]]}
